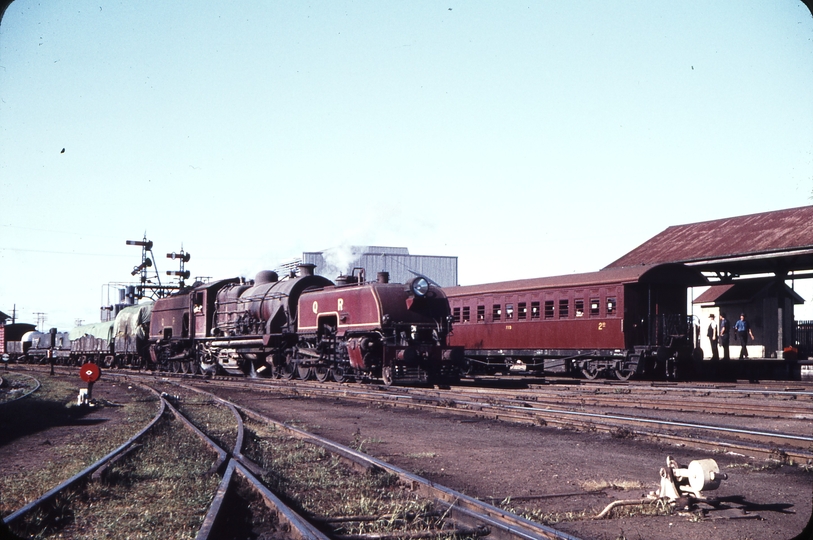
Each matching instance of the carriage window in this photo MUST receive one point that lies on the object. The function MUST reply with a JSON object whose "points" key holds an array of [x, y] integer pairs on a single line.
{"points": [[481, 313], [466, 313], [579, 307], [509, 312], [496, 312], [610, 306], [534, 310], [595, 307], [563, 308], [522, 311], [456, 315], [548, 309]]}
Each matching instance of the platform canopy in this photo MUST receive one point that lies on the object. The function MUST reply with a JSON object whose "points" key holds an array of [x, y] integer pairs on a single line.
{"points": [[776, 243]]}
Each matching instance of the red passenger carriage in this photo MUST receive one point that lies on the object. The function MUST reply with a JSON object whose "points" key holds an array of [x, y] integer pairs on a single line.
{"points": [[620, 321]]}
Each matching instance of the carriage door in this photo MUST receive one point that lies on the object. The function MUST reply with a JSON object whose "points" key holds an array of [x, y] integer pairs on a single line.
{"points": [[636, 316]]}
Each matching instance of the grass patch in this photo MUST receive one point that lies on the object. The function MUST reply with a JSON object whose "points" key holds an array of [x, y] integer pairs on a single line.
{"points": [[421, 455], [160, 490], [318, 484], [54, 406], [622, 485]]}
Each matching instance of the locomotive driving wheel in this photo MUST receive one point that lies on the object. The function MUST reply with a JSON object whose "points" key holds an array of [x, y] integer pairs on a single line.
{"points": [[339, 374], [387, 375], [286, 371], [322, 373], [304, 372]]}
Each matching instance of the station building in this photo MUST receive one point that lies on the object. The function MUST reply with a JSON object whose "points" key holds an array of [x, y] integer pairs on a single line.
{"points": [[751, 263]]}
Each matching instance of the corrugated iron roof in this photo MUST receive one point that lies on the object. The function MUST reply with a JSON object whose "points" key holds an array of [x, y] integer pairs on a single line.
{"points": [[609, 276], [742, 291], [780, 232]]}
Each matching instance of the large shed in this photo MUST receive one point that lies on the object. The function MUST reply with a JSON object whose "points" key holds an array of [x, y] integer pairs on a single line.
{"points": [[770, 246], [401, 265]]}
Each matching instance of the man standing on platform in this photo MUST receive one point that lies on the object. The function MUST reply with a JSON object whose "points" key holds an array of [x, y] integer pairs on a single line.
{"points": [[712, 334], [743, 331], [725, 335]]}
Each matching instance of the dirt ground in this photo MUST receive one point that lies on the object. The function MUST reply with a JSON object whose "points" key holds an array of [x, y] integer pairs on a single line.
{"points": [[43, 444], [485, 458], [492, 459]]}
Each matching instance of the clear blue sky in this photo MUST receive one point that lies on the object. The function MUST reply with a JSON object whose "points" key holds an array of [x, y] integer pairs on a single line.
{"points": [[528, 139]]}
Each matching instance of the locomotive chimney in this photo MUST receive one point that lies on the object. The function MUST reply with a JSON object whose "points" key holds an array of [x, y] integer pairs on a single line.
{"points": [[306, 269], [383, 277]]}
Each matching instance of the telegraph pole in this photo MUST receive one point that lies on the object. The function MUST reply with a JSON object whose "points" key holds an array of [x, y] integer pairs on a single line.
{"points": [[41, 317]]}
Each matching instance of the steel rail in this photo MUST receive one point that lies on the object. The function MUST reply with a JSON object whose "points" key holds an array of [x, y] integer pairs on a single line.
{"points": [[464, 509], [744, 410], [528, 414], [527, 408], [298, 527], [304, 529], [720, 388], [36, 387], [222, 455], [75, 479], [412, 397], [670, 423]]}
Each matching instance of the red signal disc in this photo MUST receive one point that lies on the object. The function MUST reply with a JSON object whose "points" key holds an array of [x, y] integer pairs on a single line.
{"points": [[89, 372]]}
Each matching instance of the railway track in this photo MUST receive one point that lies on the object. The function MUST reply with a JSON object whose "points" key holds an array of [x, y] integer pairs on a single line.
{"points": [[520, 405], [442, 513], [75, 482], [731, 419], [16, 386], [460, 516], [727, 427]]}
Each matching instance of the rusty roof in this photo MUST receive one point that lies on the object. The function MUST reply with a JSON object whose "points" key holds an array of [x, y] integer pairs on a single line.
{"points": [[783, 236], [742, 291], [646, 273]]}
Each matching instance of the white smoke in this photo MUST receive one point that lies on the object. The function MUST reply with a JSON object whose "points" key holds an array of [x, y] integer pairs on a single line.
{"points": [[339, 260]]}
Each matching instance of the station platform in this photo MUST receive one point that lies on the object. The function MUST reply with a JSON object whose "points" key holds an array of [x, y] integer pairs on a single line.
{"points": [[781, 369]]}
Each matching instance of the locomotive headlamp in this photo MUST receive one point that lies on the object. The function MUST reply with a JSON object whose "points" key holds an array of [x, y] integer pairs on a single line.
{"points": [[419, 286]]}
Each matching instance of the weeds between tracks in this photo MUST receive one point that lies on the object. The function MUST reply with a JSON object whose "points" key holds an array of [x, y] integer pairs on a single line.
{"points": [[160, 490], [318, 484], [53, 462]]}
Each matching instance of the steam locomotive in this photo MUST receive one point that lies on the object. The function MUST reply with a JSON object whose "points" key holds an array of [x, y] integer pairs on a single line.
{"points": [[304, 325], [300, 326]]}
